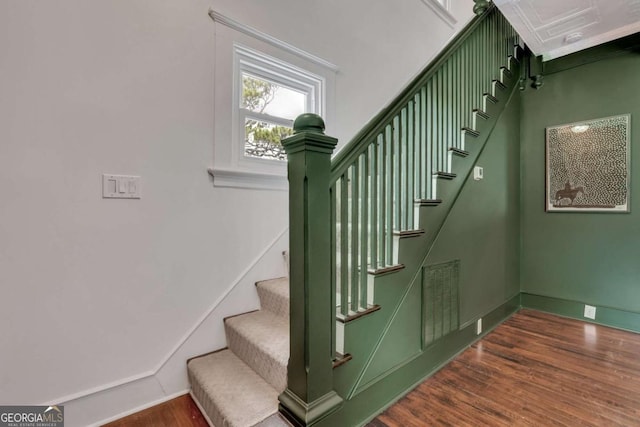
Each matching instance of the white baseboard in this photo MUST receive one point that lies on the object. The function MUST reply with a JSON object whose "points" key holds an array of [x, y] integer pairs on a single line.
{"points": [[141, 408]]}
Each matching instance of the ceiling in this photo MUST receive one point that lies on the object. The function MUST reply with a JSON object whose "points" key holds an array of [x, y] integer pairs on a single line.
{"points": [[553, 28]]}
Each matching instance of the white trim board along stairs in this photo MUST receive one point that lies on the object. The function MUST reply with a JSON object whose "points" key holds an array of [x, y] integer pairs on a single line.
{"points": [[239, 386]]}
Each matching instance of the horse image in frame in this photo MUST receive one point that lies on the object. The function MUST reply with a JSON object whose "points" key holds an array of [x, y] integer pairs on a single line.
{"points": [[587, 166]]}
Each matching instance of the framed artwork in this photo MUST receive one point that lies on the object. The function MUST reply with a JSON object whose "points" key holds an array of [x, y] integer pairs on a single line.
{"points": [[587, 166]]}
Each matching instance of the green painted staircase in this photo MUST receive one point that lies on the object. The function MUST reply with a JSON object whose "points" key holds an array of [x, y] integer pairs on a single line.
{"points": [[361, 228]]}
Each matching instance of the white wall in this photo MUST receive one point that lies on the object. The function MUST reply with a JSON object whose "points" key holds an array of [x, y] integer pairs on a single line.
{"points": [[378, 45], [97, 291]]}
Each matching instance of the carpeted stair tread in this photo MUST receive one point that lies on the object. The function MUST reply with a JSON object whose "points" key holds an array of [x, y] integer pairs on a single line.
{"points": [[229, 391], [261, 340], [274, 295]]}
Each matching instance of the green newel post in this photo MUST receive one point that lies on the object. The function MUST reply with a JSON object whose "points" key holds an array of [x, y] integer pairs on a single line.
{"points": [[480, 6], [309, 396]]}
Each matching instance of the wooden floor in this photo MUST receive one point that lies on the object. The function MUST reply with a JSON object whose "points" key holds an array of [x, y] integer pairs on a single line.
{"points": [[178, 412], [534, 370]]}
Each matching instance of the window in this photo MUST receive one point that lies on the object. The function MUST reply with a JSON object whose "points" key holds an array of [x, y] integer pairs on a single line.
{"points": [[270, 95], [260, 85], [267, 110]]}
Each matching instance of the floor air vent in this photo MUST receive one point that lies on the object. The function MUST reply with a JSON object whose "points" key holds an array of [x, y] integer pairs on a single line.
{"points": [[440, 305]]}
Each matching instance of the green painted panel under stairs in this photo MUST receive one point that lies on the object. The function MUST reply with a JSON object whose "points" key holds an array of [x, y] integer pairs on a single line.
{"points": [[400, 342], [239, 386], [482, 230], [584, 257]]}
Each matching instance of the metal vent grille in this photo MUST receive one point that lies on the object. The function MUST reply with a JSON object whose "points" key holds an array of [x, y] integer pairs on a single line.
{"points": [[440, 302]]}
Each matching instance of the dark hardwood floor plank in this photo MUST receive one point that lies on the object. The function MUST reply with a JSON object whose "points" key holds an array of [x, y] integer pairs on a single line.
{"points": [[509, 396], [600, 347], [555, 392], [536, 369], [548, 360], [179, 412]]}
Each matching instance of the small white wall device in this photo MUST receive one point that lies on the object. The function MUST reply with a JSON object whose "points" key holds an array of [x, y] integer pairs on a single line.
{"points": [[478, 173]]}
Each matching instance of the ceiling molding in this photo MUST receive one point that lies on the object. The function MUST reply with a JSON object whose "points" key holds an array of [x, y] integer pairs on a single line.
{"points": [[614, 34], [259, 35], [629, 45], [552, 28]]}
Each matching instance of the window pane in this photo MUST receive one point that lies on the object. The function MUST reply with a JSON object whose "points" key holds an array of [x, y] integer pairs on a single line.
{"points": [[262, 96], [262, 139]]}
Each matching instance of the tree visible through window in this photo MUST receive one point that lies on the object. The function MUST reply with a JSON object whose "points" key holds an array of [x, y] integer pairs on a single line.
{"points": [[271, 94], [271, 111]]}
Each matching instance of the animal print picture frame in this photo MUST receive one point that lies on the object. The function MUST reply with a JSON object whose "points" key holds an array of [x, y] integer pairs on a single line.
{"points": [[587, 166]]}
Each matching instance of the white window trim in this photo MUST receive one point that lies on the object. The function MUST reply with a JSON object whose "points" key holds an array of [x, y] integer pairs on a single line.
{"points": [[284, 74], [244, 179], [442, 10], [230, 167]]}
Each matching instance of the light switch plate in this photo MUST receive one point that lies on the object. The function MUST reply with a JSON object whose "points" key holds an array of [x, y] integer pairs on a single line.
{"points": [[120, 186]]}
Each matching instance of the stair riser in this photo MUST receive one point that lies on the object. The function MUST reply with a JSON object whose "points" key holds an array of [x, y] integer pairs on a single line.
{"points": [[260, 361], [273, 302], [211, 411]]}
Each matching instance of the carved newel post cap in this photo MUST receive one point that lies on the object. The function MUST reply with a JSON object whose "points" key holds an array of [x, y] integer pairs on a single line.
{"points": [[308, 122], [480, 6]]}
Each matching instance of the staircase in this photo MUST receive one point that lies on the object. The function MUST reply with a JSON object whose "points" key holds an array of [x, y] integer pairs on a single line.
{"points": [[239, 386], [362, 226]]}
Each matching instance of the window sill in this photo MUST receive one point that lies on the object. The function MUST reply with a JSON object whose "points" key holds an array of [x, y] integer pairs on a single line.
{"points": [[233, 178]]}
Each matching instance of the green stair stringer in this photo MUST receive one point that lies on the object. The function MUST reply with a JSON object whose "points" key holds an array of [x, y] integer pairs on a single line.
{"points": [[390, 340]]}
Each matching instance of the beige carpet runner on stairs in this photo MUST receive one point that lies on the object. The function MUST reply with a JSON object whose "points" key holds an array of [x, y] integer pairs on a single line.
{"points": [[239, 386]]}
